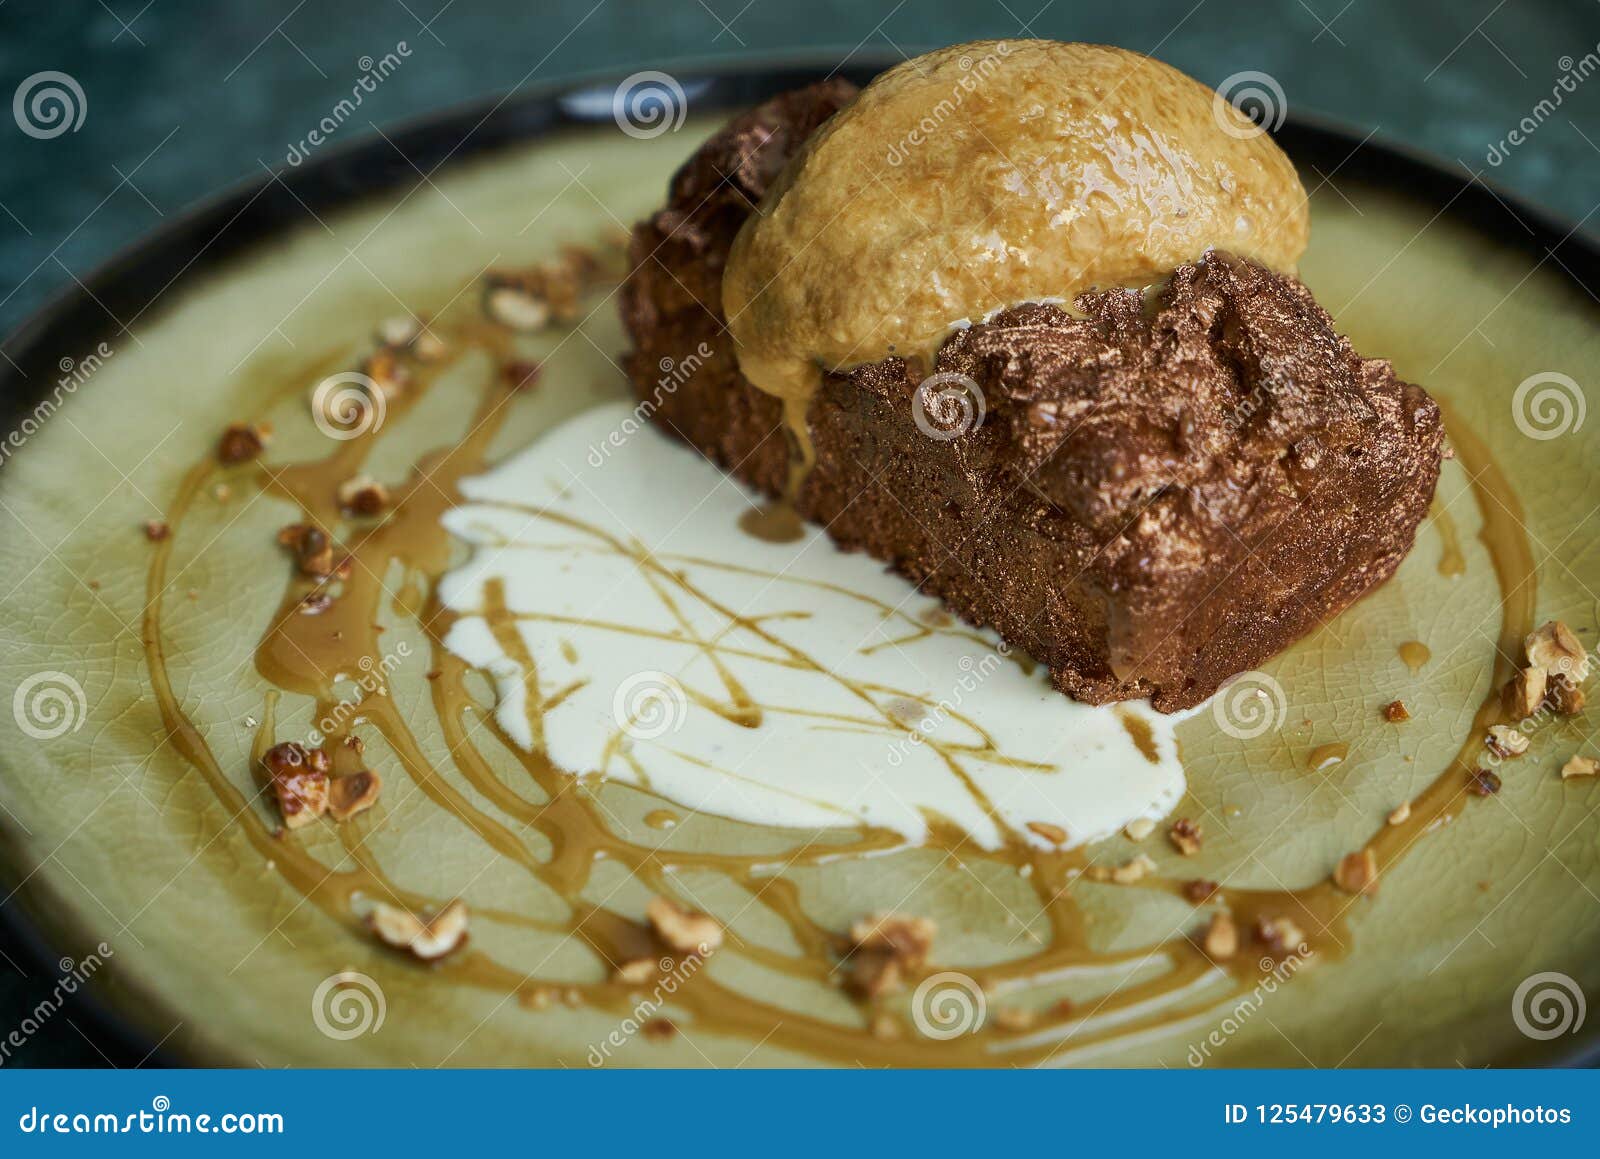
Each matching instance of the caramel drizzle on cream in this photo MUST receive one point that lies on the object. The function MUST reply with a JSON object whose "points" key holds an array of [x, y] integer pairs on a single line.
{"points": [[298, 654]]}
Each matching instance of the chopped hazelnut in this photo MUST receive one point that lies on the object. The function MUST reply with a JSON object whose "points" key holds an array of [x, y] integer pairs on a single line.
{"points": [[315, 603], [1396, 711], [313, 550], [684, 930], [659, 1029], [1139, 828], [635, 972], [1555, 648], [1132, 871], [155, 530], [1524, 692], [1199, 890], [1357, 872], [299, 780], [907, 938], [242, 441], [1580, 767], [516, 309], [1505, 742], [884, 948], [353, 793], [1483, 783], [1565, 696], [428, 940], [1221, 940], [1054, 834], [1185, 836], [1401, 813], [362, 495]]}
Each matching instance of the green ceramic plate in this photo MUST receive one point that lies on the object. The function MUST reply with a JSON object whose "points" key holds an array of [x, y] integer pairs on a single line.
{"points": [[124, 830]]}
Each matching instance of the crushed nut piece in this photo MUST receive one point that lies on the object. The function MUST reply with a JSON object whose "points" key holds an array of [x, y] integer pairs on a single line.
{"points": [[884, 947], [684, 930], [429, 347], [1396, 711], [353, 793], [299, 780], [1132, 871], [1401, 813], [884, 1027], [1199, 890], [155, 530], [1185, 836], [1139, 828], [1357, 872], [313, 550], [635, 972], [398, 332], [428, 940], [522, 374], [658, 1029], [1221, 940], [387, 372], [1524, 692], [1054, 834], [1580, 767], [315, 603], [362, 495], [1013, 1018], [1555, 648], [1564, 696], [1484, 783], [1505, 742], [516, 309], [242, 441], [1280, 935]]}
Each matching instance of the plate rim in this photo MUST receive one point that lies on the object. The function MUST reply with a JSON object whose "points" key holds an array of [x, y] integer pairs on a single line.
{"points": [[371, 163]]}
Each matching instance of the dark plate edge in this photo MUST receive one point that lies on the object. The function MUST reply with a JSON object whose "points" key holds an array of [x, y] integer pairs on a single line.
{"points": [[218, 228]]}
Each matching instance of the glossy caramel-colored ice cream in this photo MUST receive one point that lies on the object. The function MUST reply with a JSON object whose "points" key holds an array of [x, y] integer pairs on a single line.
{"points": [[986, 175]]}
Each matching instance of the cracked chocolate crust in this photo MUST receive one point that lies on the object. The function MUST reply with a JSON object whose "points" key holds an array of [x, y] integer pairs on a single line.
{"points": [[1161, 493]]}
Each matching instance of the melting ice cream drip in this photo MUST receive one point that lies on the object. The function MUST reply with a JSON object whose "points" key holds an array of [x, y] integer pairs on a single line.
{"points": [[633, 631]]}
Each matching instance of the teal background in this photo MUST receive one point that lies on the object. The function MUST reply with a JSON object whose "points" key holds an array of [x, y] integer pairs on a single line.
{"points": [[184, 97]]}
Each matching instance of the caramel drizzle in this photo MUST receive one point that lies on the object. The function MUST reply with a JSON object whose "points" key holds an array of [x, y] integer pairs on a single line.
{"points": [[301, 654]]}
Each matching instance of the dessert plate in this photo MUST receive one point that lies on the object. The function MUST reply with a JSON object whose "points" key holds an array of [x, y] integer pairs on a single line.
{"points": [[149, 671]]}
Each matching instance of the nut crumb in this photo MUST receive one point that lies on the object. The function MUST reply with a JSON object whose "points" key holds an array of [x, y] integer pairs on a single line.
{"points": [[1357, 872], [429, 347], [516, 309], [683, 930], [398, 332], [299, 779], [312, 550], [1054, 834], [427, 940], [1185, 836], [353, 793], [1524, 692], [1221, 940], [884, 1027], [522, 374], [241, 442], [884, 947], [1280, 935], [1396, 711], [362, 495], [155, 530], [660, 1029], [1132, 871], [1580, 767], [1555, 648], [1199, 890], [1505, 742], [1139, 828], [1564, 696], [1401, 813], [635, 972], [1484, 783], [387, 372]]}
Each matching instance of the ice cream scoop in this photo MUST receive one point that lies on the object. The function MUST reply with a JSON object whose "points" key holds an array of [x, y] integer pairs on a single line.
{"points": [[986, 175]]}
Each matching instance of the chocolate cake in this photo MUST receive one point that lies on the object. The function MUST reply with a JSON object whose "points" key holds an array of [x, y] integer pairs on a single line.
{"points": [[1149, 494]]}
